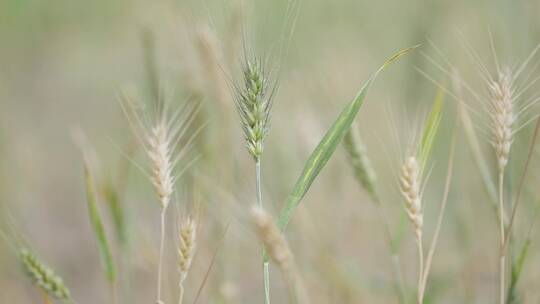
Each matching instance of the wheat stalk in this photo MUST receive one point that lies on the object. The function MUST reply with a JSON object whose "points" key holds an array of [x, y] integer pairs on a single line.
{"points": [[502, 122], [186, 251], [253, 99], [161, 143], [43, 276], [410, 186]]}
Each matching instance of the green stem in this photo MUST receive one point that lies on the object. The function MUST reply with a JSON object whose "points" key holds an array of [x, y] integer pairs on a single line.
{"points": [[266, 265]]}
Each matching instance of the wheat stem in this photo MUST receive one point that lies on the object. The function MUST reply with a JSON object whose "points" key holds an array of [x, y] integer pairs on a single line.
{"points": [[420, 268], [501, 227], [161, 250], [46, 298], [181, 293], [266, 265]]}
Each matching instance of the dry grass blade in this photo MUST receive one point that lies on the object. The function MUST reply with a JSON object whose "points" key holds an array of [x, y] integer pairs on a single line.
{"points": [[449, 174]]}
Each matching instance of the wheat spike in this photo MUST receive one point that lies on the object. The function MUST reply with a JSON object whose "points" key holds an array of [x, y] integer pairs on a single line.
{"points": [[43, 276], [273, 240], [159, 152], [186, 247], [410, 184], [363, 171], [502, 116], [253, 101]]}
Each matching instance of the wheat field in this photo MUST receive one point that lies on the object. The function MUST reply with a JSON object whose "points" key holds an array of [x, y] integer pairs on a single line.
{"points": [[287, 151]]}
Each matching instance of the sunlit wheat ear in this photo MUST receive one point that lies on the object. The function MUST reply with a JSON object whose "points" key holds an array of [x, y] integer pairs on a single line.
{"points": [[166, 138], [253, 99], [165, 143], [43, 276], [272, 238], [159, 152], [410, 186], [186, 246], [502, 105]]}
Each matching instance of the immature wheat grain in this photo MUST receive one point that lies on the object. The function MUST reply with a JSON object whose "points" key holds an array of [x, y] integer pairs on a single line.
{"points": [[360, 163], [254, 101], [43, 276]]}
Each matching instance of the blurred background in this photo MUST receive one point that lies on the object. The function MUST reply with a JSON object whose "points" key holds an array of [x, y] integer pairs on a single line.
{"points": [[64, 62]]}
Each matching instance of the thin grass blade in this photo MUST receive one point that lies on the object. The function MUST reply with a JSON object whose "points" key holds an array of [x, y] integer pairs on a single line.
{"points": [[97, 225], [430, 129]]}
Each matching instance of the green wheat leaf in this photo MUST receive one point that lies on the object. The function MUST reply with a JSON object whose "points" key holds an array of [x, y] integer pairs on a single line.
{"points": [[326, 147]]}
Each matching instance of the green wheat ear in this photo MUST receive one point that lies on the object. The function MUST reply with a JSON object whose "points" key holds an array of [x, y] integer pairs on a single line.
{"points": [[253, 98], [43, 276]]}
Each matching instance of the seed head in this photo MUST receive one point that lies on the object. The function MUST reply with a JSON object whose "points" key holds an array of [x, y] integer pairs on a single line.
{"points": [[43, 276], [273, 240], [186, 248], [410, 181], [159, 152], [502, 116], [253, 101], [360, 163]]}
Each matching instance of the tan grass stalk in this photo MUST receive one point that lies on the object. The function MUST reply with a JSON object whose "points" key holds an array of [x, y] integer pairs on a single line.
{"points": [[433, 245]]}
